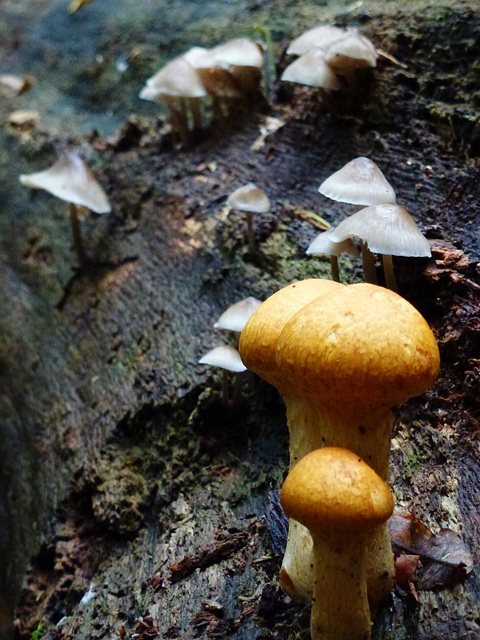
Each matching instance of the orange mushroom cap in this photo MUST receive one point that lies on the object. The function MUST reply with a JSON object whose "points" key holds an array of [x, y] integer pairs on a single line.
{"points": [[333, 489], [258, 340], [362, 347]]}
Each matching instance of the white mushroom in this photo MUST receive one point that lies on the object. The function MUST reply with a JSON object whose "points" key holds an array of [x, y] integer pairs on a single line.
{"points": [[387, 229], [324, 245], [172, 85], [237, 316], [352, 52], [71, 180], [228, 359], [250, 199], [359, 182], [243, 58], [312, 69], [321, 37]]}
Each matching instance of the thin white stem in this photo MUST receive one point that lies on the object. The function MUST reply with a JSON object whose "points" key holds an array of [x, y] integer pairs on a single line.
{"points": [[389, 273], [368, 260]]}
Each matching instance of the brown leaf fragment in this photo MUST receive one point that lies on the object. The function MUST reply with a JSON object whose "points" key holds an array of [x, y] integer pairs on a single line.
{"points": [[212, 554], [445, 559], [401, 531], [145, 629], [405, 566]]}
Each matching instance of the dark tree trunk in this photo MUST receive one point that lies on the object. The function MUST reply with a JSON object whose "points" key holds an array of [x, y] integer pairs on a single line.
{"points": [[122, 474]]}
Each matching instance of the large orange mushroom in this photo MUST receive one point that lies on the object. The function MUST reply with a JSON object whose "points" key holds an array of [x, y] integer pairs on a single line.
{"points": [[343, 363]]}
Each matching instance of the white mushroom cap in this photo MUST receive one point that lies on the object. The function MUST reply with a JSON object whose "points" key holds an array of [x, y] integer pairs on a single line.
{"points": [[201, 58], [239, 52], [71, 180], [224, 357], [387, 229], [150, 93], [216, 80], [237, 316], [249, 198], [320, 37], [179, 79], [311, 69], [324, 245], [354, 51], [360, 181]]}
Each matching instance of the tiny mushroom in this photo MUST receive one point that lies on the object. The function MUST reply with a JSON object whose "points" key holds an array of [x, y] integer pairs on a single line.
{"points": [[353, 51], [387, 229], [71, 180], [324, 245], [250, 199], [236, 316], [175, 83], [360, 182], [228, 359], [243, 58], [311, 69], [343, 503], [320, 37], [219, 83]]}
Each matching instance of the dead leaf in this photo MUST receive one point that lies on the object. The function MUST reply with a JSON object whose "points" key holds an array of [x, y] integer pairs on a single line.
{"points": [[445, 560], [405, 566]]}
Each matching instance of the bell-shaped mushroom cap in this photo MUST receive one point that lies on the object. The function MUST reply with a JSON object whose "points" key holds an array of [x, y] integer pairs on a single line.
{"points": [[354, 51], [224, 357], [249, 198], [216, 80], [71, 180], [311, 69], [321, 37], [239, 52], [333, 489], [150, 93], [201, 58], [237, 316], [387, 229], [360, 181], [361, 348], [178, 78], [323, 245], [258, 340]]}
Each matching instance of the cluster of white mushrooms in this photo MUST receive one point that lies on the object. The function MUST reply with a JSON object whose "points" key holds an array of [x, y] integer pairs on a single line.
{"points": [[382, 226], [230, 74], [329, 58]]}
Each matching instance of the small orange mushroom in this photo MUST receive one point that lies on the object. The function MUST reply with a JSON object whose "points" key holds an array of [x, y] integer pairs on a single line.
{"points": [[343, 503]]}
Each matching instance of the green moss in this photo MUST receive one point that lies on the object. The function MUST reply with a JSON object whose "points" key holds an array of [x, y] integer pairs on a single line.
{"points": [[40, 631]]}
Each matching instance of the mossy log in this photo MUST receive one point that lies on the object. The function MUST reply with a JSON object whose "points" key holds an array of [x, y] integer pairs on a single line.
{"points": [[133, 503]]}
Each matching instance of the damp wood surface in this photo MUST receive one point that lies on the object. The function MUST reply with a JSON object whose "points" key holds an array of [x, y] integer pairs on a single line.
{"points": [[133, 503]]}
